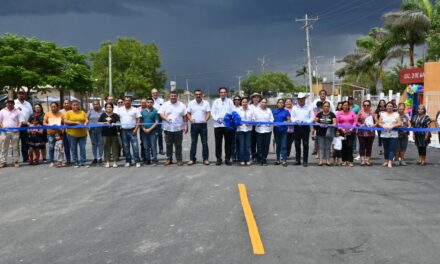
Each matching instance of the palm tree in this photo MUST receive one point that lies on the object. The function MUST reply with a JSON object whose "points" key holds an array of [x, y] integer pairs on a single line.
{"points": [[410, 26], [302, 72], [371, 55]]}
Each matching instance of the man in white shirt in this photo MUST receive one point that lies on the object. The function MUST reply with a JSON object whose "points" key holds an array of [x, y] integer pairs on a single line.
{"points": [[322, 98], [10, 117], [25, 109], [220, 108], [130, 117], [199, 112], [173, 114], [158, 102], [302, 113], [256, 98]]}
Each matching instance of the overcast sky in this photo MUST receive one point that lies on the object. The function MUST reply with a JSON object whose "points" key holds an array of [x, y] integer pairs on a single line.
{"points": [[209, 42]]}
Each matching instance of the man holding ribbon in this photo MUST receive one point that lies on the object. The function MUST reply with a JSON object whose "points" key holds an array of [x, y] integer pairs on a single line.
{"points": [[10, 117], [302, 113], [220, 108], [173, 113]]}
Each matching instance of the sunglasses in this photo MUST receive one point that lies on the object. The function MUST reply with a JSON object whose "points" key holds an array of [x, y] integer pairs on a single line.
{"points": [[366, 105], [120, 102]]}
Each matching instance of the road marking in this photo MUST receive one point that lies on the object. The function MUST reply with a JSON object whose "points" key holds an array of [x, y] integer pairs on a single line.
{"points": [[254, 234]]}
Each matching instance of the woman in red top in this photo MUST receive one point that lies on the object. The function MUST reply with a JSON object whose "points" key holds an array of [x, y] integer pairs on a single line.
{"points": [[366, 118]]}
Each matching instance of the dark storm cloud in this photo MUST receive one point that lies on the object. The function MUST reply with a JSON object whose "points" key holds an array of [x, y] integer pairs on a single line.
{"points": [[208, 13]]}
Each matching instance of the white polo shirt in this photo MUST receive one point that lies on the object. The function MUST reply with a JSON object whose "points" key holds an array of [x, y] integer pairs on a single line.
{"points": [[24, 108], [199, 111], [176, 112], [128, 117], [263, 116], [219, 109], [248, 115]]}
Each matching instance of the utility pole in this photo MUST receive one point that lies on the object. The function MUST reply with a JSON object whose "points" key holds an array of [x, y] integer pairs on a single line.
{"points": [[263, 63], [239, 84], [110, 86], [334, 70], [187, 91], [307, 25], [316, 73]]}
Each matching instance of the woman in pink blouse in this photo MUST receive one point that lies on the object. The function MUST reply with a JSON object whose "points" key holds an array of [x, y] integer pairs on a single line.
{"points": [[347, 118]]}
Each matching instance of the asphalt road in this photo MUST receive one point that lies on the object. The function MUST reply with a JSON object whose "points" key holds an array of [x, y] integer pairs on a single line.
{"points": [[194, 215]]}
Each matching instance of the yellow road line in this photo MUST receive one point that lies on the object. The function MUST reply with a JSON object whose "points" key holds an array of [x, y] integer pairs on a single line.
{"points": [[254, 234]]}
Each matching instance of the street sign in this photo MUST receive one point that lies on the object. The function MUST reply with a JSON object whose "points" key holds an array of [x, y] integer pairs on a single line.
{"points": [[412, 76]]}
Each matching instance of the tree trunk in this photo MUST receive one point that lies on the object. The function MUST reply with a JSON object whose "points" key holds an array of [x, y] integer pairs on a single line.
{"points": [[11, 93], [61, 97], [379, 86], [411, 56]]}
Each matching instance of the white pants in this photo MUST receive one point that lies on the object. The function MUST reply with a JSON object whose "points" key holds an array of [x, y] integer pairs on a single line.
{"points": [[6, 139]]}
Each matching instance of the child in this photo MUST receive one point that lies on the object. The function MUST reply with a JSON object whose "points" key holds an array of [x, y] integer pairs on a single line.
{"points": [[35, 141], [59, 150], [337, 148]]}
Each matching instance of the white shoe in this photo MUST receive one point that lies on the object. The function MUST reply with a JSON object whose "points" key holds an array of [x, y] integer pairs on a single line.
{"points": [[127, 164], [115, 165], [107, 164], [249, 163], [242, 163], [138, 165], [358, 157]]}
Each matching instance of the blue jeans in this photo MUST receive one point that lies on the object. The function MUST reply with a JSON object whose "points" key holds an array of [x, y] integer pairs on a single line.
{"points": [[150, 146], [263, 143], [196, 130], [281, 141], [97, 142], [127, 139], [66, 147], [389, 146], [244, 139], [51, 141], [74, 143]]}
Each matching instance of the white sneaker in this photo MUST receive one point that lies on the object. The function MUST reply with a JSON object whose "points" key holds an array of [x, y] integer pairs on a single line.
{"points": [[358, 157], [242, 163], [249, 163], [115, 165], [127, 164], [138, 165], [107, 164]]}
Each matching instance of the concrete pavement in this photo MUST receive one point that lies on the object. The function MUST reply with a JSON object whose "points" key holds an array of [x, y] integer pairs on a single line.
{"points": [[194, 215]]}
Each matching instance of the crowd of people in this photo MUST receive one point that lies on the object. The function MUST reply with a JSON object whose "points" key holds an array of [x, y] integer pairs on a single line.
{"points": [[119, 127]]}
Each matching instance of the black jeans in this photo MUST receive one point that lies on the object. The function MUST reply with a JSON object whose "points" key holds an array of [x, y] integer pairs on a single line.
{"points": [[263, 143], [254, 143], [302, 133], [174, 138], [347, 148], [24, 145], [219, 134], [196, 130]]}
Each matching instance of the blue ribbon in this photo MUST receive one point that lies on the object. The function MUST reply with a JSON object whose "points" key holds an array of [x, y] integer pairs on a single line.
{"points": [[234, 123]]}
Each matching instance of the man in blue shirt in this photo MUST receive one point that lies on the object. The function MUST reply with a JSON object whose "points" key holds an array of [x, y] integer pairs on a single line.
{"points": [[150, 120]]}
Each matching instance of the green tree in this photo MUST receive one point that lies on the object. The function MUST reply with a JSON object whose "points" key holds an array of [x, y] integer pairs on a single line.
{"points": [[35, 64], [135, 67], [434, 35], [410, 26], [268, 82]]}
